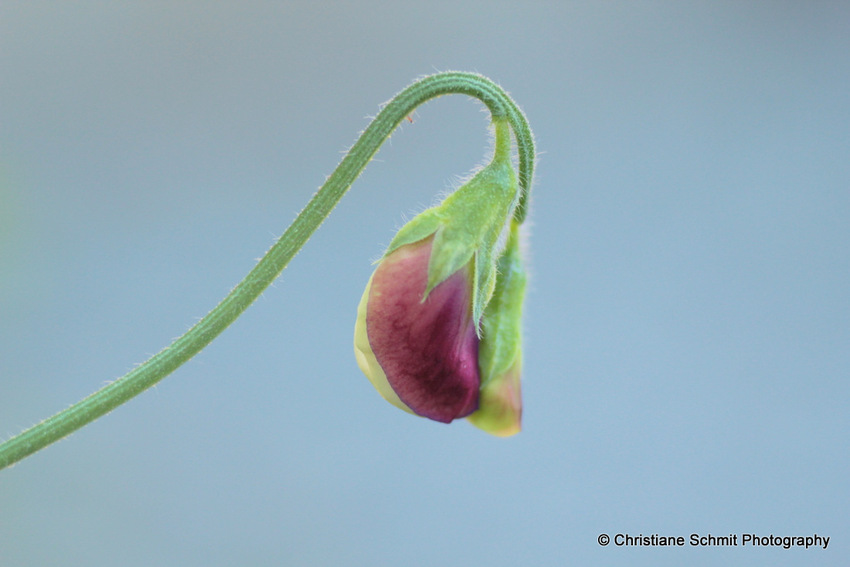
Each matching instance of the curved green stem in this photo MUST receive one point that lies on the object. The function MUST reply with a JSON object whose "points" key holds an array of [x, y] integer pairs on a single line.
{"points": [[275, 260]]}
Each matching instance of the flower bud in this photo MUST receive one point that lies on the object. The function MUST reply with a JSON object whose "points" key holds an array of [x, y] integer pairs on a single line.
{"points": [[419, 322]]}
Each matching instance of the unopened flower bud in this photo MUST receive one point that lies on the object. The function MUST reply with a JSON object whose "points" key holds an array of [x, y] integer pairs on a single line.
{"points": [[419, 322]]}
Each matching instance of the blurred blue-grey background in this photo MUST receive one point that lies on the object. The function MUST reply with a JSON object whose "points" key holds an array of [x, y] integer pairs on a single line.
{"points": [[687, 328]]}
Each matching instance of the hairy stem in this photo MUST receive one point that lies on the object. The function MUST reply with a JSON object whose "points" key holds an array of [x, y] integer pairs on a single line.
{"points": [[275, 260]]}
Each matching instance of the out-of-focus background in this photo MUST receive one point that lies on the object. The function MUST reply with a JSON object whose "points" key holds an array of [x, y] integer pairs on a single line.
{"points": [[687, 326]]}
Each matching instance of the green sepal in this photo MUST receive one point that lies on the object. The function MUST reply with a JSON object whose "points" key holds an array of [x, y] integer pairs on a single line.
{"points": [[501, 346], [475, 216], [418, 228], [468, 224], [500, 349]]}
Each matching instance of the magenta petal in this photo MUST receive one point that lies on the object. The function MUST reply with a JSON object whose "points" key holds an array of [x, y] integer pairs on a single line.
{"points": [[428, 350]]}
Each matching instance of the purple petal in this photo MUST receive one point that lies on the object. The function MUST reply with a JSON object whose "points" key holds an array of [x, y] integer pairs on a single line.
{"points": [[428, 350]]}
